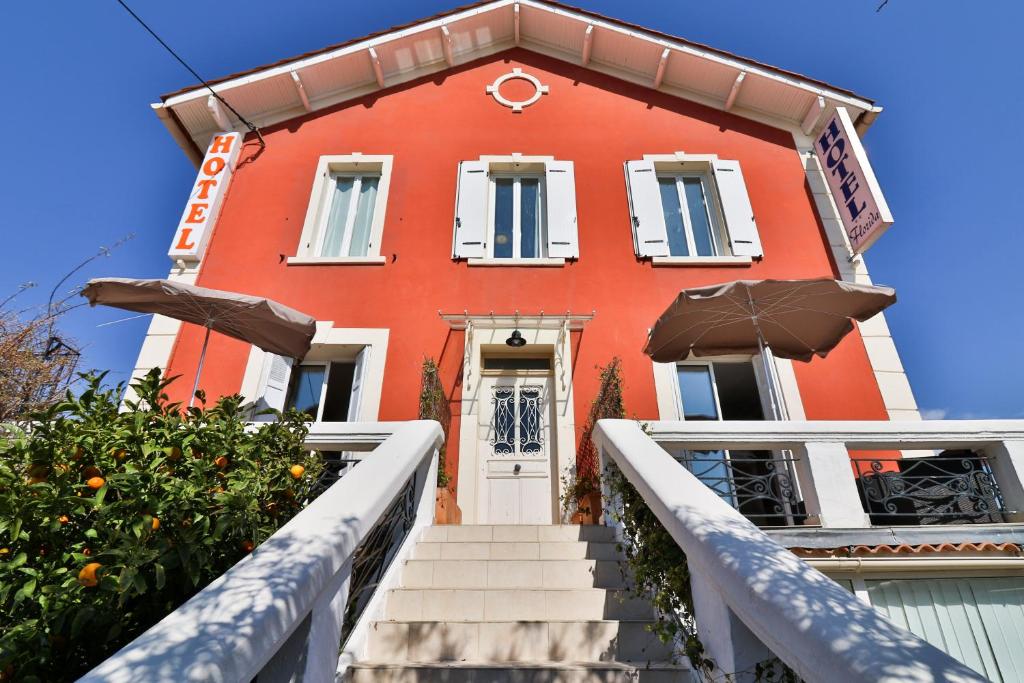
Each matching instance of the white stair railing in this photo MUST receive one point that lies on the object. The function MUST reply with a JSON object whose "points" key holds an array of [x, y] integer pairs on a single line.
{"points": [[278, 614], [754, 598]]}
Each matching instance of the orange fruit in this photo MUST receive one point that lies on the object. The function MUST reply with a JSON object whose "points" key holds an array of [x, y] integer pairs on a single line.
{"points": [[91, 471], [247, 546], [297, 471], [87, 551], [61, 468], [63, 519], [96, 483], [221, 461], [87, 577], [156, 523], [35, 480], [119, 454], [175, 454], [5, 551]]}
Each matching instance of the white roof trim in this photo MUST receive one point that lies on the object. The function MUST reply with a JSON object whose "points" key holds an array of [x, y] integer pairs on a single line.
{"points": [[446, 30]]}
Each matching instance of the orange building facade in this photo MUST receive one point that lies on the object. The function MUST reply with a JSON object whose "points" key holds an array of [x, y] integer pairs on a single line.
{"points": [[430, 219]]}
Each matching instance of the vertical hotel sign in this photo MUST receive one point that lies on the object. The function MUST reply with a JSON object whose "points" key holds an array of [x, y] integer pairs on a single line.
{"points": [[863, 209], [204, 203]]}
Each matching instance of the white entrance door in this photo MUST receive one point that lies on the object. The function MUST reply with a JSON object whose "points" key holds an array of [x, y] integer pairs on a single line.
{"points": [[514, 450]]}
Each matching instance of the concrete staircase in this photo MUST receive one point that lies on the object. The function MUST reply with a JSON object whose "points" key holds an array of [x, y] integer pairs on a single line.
{"points": [[537, 604]]}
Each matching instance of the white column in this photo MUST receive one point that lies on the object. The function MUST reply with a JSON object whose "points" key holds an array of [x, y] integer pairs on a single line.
{"points": [[828, 486], [727, 641], [1006, 459]]}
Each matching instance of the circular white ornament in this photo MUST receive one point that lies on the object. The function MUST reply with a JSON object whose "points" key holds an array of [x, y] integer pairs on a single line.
{"points": [[494, 89]]}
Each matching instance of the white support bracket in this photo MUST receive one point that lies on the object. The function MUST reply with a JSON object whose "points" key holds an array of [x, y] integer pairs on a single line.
{"points": [[378, 72], [659, 75], [813, 115], [219, 115], [515, 20], [446, 43], [300, 89], [588, 45], [735, 91]]}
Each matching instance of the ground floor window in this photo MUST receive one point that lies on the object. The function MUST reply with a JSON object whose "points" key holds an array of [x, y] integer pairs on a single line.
{"points": [[976, 620]]}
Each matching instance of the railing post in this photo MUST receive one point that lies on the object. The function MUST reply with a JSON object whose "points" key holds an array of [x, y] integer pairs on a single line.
{"points": [[829, 487], [1006, 459], [727, 641]]}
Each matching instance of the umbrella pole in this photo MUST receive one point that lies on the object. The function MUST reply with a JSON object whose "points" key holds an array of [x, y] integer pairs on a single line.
{"points": [[199, 370]]}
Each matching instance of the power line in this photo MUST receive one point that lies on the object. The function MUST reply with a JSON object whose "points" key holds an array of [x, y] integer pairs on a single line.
{"points": [[252, 128]]}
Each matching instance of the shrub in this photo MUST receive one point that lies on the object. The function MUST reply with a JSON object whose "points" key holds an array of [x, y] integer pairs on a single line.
{"points": [[434, 406], [111, 519]]}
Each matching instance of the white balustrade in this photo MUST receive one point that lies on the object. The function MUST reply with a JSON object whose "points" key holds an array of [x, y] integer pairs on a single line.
{"points": [[752, 596], [278, 613]]}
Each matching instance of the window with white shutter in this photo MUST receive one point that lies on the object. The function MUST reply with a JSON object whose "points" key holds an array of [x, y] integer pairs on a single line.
{"points": [[272, 392], [690, 208], [516, 210]]}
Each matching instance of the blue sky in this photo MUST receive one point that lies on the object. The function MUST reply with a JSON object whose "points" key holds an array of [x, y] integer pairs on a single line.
{"points": [[85, 161]]}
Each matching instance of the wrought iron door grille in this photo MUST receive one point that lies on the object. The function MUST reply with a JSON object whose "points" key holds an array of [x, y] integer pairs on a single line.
{"points": [[758, 484], [375, 553], [956, 487]]}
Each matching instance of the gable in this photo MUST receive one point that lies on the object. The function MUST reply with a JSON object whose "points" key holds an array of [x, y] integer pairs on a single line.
{"points": [[315, 81]]}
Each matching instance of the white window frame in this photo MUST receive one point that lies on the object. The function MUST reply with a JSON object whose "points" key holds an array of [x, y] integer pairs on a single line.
{"points": [[314, 229], [697, 164], [719, 243], [542, 234]]}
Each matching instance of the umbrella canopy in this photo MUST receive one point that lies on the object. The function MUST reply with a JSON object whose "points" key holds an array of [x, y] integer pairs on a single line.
{"points": [[795, 319], [265, 323]]}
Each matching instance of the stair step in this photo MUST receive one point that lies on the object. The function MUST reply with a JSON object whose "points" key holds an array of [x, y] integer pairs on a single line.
{"points": [[546, 672], [516, 533], [515, 641], [514, 550], [581, 604], [512, 574]]}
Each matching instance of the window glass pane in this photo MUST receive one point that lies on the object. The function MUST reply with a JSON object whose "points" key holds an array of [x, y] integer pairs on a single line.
{"points": [[305, 391], [737, 391], [697, 206], [503, 211], [335, 230], [339, 392], [530, 421], [698, 392], [529, 214], [673, 217], [504, 424], [364, 217]]}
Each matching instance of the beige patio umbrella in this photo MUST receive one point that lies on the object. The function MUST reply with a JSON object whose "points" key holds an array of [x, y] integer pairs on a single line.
{"points": [[265, 323], [794, 319]]}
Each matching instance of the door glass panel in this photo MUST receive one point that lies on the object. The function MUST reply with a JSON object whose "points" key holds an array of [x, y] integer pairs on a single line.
{"points": [[696, 205], [305, 392], [698, 392], [503, 216], [339, 392], [530, 421], [364, 217], [504, 425], [673, 217], [335, 230], [529, 213]]}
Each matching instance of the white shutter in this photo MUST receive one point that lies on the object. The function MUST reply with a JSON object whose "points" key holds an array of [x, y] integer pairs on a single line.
{"points": [[650, 236], [563, 238], [358, 374], [735, 203], [470, 240], [274, 380]]}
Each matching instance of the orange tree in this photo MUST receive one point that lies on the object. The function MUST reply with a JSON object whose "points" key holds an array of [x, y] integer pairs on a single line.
{"points": [[110, 519]]}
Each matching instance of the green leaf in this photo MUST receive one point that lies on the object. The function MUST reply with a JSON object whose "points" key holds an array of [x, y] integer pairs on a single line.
{"points": [[91, 533], [16, 530], [19, 559], [160, 578], [140, 583], [82, 617]]}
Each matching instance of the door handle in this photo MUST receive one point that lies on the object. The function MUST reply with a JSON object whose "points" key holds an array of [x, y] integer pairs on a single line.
{"points": [[517, 468]]}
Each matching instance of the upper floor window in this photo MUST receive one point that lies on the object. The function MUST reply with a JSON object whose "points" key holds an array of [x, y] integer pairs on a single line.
{"points": [[347, 229], [690, 223], [345, 219], [691, 207], [517, 221], [516, 209]]}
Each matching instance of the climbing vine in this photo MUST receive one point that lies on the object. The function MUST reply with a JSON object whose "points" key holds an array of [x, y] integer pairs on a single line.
{"points": [[586, 478], [434, 406]]}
